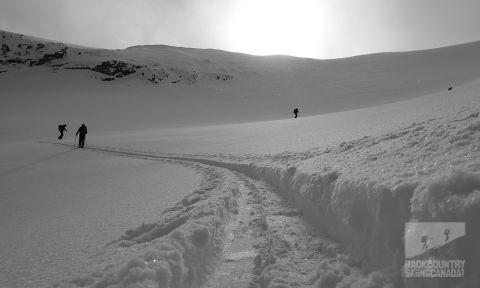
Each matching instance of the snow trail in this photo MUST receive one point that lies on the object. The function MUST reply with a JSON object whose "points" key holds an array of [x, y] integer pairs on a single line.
{"points": [[235, 266], [266, 241]]}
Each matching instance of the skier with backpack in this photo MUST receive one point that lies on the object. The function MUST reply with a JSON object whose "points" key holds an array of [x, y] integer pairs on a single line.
{"points": [[62, 128], [82, 132]]}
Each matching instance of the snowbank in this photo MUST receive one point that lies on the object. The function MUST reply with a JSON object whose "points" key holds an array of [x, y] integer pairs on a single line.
{"points": [[367, 212]]}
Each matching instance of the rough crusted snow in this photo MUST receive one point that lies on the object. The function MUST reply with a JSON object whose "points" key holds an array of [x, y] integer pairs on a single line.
{"points": [[318, 201]]}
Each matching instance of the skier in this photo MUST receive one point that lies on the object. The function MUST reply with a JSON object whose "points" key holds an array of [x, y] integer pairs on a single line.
{"points": [[62, 128], [81, 139], [295, 111]]}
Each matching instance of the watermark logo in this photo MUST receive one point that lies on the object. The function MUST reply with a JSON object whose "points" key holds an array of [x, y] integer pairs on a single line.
{"points": [[427, 246]]}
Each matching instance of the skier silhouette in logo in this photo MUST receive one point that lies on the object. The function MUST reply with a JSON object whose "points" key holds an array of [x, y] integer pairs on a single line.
{"points": [[62, 128], [447, 234], [424, 240], [295, 112]]}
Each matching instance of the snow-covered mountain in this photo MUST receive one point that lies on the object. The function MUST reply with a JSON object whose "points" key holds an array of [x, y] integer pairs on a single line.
{"points": [[162, 86], [318, 201]]}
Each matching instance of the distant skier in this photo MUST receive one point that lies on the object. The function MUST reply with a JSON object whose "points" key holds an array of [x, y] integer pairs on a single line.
{"points": [[62, 128], [82, 132], [450, 89], [295, 112]]}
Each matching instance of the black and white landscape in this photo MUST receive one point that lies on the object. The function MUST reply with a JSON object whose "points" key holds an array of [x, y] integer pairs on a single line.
{"points": [[195, 174]]}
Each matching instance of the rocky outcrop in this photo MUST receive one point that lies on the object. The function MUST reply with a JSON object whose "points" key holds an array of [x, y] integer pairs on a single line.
{"points": [[115, 68], [5, 49], [22, 52], [49, 57]]}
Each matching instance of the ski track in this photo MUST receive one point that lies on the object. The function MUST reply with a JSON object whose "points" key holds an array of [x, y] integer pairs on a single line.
{"points": [[265, 242]]}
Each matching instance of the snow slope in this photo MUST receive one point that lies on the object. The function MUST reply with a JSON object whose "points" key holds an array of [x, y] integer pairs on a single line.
{"points": [[60, 207], [319, 201], [359, 192], [197, 87]]}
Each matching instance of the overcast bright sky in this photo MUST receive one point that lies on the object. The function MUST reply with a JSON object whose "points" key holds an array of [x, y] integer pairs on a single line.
{"points": [[307, 28]]}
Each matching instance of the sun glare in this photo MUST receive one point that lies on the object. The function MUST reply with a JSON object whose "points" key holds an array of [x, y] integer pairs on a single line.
{"points": [[268, 27]]}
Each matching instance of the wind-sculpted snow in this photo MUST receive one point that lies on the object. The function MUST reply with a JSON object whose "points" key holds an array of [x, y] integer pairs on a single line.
{"points": [[176, 251]]}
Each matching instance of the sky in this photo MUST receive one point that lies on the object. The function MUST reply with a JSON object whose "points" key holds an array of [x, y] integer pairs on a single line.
{"points": [[305, 28]]}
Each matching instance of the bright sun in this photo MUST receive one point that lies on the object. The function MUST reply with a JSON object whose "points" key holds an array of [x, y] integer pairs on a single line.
{"points": [[266, 27]]}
